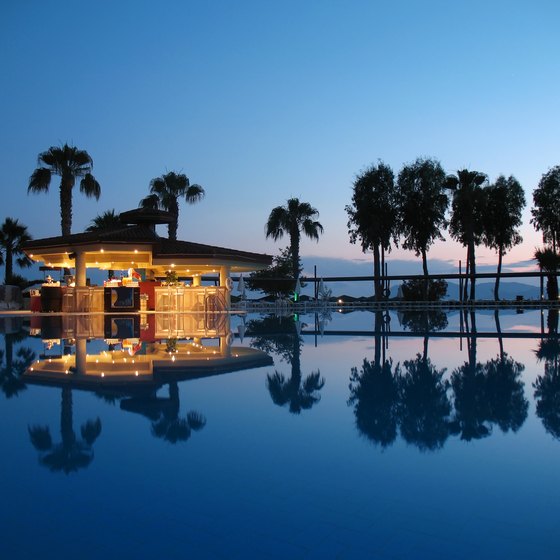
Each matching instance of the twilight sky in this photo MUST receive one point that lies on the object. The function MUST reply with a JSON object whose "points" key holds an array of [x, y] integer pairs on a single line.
{"points": [[259, 101]]}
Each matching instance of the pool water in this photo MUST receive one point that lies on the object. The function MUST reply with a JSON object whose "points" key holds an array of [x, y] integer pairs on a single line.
{"points": [[338, 435]]}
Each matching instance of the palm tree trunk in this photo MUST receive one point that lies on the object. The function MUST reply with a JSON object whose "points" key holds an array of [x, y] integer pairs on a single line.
{"points": [[173, 226], [66, 185], [472, 267], [294, 248], [498, 272], [378, 288], [466, 283], [425, 269], [9, 264]]}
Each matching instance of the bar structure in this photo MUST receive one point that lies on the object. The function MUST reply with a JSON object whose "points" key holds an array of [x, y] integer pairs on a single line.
{"points": [[162, 274]]}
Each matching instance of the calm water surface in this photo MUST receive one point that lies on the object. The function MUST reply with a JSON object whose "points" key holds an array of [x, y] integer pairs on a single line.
{"points": [[299, 437]]}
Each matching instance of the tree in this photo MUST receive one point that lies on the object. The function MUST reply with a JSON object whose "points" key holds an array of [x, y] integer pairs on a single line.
{"points": [[293, 219], [108, 220], [422, 206], [165, 194], [546, 207], [468, 207], [277, 280], [13, 236], [549, 261], [373, 215], [505, 201], [70, 164]]}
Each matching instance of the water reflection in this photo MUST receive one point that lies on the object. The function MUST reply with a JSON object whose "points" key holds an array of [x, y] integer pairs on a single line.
{"points": [[164, 414], [417, 401], [71, 453], [547, 386], [12, 367], [127, 360], [281, 336]]}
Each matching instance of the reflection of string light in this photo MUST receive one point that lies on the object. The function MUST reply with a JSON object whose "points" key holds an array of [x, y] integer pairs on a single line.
{"points": [[102, 374], [136, 373]]}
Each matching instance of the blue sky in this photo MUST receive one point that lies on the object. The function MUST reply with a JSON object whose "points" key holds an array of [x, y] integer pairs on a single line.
{"points": [[259, 101]]}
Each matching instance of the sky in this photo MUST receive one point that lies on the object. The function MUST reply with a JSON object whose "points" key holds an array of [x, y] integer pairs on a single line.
{"points": [[261, 101]]}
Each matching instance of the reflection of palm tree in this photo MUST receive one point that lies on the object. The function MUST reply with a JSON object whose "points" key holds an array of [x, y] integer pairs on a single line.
{"points": [[280, 335], [299, 395], [507, 405], [374, 394], [71, 453], [424, 407], [172, 428], [12, 370], [424, 321], [547, 386]]}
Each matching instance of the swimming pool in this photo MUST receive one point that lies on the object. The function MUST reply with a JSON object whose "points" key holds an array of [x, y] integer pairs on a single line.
{"points": [[314, 436]]}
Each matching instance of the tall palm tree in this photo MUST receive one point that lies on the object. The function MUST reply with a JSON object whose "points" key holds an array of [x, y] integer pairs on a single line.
{"points": [[373, 216], [466, 225], [546, 207], [165, 192], [69, 164], [505, 201], [13, 235], [108, 220], [422, 206], [293, 219]]}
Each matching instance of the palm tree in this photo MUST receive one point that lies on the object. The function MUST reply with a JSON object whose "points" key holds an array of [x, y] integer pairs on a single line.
{"points": [[13, 236], [546, 207], [108, 220], [165, 194], [466, 225], [70, 164], [549, 261], [505, 201], [373, 216], [293, 219], [422, 206]]}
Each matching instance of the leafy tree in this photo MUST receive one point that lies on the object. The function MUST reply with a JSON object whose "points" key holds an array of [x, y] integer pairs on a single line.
{"points": [[293, 219], [277, 280], [166, 191], [505, 201], [416, 289], [13, 236], [422, 206], [70, 164], [468, 208], [108, 220], [546, 207], [373, 215]]}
